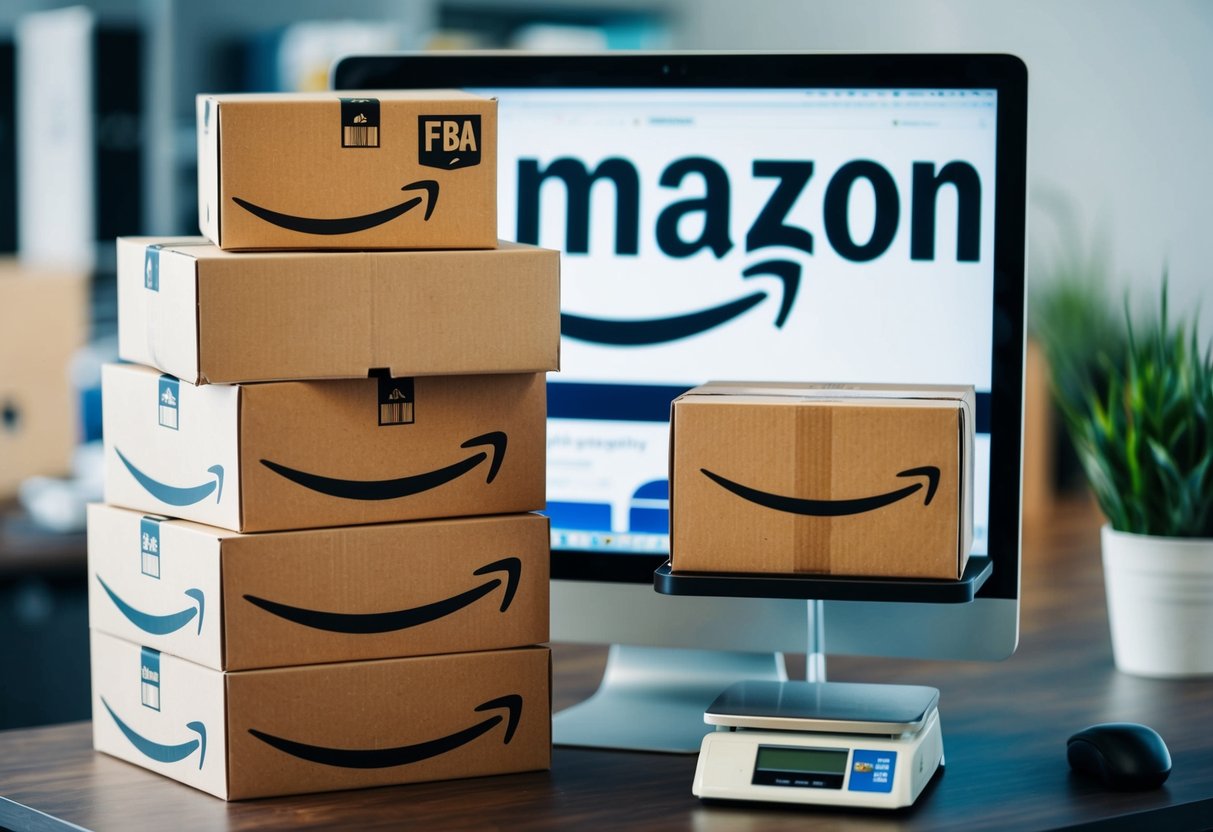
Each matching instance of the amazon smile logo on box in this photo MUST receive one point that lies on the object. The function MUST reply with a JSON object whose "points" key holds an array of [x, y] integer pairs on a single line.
{"points": [[159, 624], [407, 486], [831, 508], [328, 226], [393, 621], [162, 752], [403, 755], [176, 495]]}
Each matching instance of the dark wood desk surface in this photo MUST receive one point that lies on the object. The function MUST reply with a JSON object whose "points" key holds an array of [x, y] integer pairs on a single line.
{"points": [[1005, 727]]}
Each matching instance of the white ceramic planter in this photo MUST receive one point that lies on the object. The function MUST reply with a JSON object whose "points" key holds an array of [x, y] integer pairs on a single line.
{"points": [[1160, 603]]}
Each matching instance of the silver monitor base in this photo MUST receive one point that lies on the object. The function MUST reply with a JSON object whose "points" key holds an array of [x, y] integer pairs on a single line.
{"points": [[653, 698]]}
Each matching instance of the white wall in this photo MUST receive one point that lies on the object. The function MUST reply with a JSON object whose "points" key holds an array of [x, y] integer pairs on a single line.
{"points": [[1120, 108]]}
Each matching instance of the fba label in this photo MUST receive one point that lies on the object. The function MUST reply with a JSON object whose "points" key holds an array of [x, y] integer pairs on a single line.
{"points": [[448, 142]]}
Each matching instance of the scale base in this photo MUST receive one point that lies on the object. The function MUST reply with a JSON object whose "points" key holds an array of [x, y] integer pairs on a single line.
{"points": [[653, 699], [830, 744]]}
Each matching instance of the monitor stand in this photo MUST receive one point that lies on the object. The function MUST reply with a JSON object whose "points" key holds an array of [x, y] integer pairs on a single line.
{"points": [[653, 698]]}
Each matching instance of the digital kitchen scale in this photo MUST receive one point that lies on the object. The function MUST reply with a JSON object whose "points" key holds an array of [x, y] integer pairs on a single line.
{"points": [[820, 743]]}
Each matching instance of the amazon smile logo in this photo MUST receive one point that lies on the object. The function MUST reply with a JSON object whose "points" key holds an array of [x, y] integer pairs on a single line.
{"points": [[160, 625], [402, 486], [163, 752], [386, 622], [347, 225], [176, 495], [646, 332], [695, 213], [832, 508], [403, 754]]}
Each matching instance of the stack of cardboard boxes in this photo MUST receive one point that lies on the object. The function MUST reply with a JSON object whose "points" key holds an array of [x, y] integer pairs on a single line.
{"points": [[306, 621]]}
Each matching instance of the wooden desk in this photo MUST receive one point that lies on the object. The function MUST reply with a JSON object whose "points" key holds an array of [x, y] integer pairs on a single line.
{"points": [[1005, 727]]}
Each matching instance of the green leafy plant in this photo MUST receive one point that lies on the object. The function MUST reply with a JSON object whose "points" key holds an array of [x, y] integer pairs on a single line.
{"points": [[1143, 428], [1079, 329]]}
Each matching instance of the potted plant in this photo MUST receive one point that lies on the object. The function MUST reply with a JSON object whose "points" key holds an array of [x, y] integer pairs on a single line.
{"points": [[1143, 430]]}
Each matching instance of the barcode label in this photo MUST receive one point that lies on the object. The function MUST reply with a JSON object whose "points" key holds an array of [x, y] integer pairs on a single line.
{"points": [[360, 136], [397, 402], [359, 122], [396, 413]]}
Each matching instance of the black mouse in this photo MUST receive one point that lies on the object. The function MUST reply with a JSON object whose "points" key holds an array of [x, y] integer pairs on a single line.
{"points": [[1125, 756]]}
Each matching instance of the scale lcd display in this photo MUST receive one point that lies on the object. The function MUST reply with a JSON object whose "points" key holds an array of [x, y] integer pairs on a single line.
{"points": [[804, 768], [802, 760]]}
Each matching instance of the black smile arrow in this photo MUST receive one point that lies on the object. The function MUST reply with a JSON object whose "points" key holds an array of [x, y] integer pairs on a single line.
{"points": [[385, 622], [831, 508], [648, 331], [789, 273], [404, 486], [404, 754], [346, 225]]}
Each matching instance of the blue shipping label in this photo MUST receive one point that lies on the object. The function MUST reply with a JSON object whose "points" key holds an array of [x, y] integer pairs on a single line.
{"points": [[149, 547], [149, 678], [151, 268], [168, 401]]}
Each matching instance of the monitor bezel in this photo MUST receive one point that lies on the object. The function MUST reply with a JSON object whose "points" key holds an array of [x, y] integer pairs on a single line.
{"points": [[1006, 74]]}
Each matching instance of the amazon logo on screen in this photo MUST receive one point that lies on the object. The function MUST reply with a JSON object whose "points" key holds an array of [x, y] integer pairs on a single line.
{"points": [[770, 228]]}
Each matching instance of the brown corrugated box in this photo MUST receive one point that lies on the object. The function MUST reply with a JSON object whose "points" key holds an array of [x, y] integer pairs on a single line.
{"points": [[373, 169], [236, 602], [43, 320], [322, 727], [865, 480], [300, 455], [213, 316]]}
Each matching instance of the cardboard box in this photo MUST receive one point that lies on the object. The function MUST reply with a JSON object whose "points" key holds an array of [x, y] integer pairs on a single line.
{"points": [[208, 315], [310, 454], [236, 602], [866, 480], [361, 170], [322, 727], [43, 321]]}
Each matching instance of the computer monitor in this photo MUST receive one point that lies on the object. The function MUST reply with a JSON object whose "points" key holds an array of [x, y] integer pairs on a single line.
{"points": [[852, 218]]}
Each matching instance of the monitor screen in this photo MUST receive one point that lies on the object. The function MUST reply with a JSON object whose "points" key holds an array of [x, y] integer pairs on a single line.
{"points": [[796, 234], [733, 216]]}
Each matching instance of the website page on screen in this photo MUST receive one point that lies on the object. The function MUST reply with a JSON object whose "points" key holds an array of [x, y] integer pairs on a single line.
{"points": [[824, 235]]}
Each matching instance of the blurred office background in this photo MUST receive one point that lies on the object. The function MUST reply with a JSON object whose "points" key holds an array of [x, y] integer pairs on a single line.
{"points": [[97, 140]]}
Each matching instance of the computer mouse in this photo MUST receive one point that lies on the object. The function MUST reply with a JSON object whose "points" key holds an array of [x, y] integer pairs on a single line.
{"points": [[1125, 756]]}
